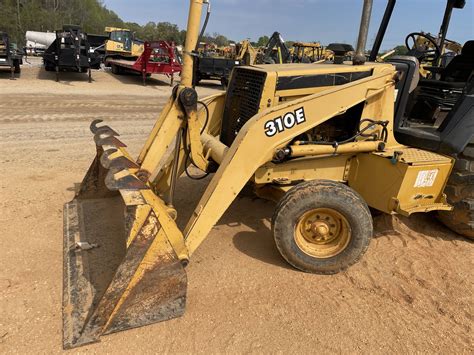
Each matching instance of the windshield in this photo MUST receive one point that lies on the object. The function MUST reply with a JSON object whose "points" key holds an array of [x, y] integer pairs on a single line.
{"points": [[120, 36]]}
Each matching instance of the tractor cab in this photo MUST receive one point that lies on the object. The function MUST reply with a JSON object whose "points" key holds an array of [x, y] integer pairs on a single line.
{"points": [[433, 112], [123, 44]]}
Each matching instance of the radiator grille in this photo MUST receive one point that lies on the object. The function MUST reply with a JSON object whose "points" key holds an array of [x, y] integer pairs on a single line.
{"points": [[242, 103]]}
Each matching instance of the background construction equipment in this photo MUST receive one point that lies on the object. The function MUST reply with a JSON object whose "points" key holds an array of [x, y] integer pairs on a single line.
{"points": [[124, 53], [10, 56], [71, 51]]}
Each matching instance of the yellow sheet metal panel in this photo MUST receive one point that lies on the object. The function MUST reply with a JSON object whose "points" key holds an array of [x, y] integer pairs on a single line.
{"points": [[137, 49], [287, 82], [310, 68], [416, 156], [404, 181], [303, 169]]}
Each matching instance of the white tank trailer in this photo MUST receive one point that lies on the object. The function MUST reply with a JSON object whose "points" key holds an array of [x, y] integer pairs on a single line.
{"points": [[38, 41]]}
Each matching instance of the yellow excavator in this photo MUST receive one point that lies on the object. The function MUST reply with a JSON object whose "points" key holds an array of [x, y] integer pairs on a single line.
{"points": [[323, 142]]}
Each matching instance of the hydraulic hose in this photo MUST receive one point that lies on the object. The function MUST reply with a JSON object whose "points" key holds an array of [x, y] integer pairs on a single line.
{"points": [[204, 26]]}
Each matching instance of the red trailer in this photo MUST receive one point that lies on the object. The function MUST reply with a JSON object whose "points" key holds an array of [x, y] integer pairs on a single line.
{"points": [[158, 57]]}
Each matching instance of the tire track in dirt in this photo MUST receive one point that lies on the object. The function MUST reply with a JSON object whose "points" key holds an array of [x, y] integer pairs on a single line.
{"points": [[52, 108], [55, 134], [109, 116]]}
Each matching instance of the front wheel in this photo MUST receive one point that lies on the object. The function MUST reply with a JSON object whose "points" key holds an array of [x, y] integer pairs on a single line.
{"points": [[322, 227]]}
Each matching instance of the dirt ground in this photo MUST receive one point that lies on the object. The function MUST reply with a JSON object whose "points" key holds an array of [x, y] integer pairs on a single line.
{"points": [[411, 293]]}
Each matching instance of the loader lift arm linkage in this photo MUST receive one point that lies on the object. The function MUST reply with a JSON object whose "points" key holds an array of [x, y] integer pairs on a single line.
{"points": [[144, 253]]}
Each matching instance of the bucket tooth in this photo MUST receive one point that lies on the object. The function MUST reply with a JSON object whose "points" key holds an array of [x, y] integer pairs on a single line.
{"points": [[102, 129], [123, 180], [117, 161], [104, 139], [108, 149], [93, 126]]}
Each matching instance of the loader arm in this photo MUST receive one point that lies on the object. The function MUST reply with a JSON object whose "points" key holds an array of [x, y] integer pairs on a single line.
{"points": [[236, 168]]}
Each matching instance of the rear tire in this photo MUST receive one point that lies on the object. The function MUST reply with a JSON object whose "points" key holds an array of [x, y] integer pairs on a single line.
{"points": [[116, 69], [322, 227], [460, 194]]}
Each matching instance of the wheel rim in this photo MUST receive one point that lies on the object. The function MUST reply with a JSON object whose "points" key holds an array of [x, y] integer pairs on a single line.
{"points": [[322, 233]]}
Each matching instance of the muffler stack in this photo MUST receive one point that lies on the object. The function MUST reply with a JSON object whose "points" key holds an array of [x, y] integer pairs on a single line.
{"points": [[121, 269]]}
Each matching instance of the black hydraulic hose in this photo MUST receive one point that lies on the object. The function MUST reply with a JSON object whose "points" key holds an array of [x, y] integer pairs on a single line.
{"points": [[189, 159], [188, 174], [360, 133], [204, 26], [207, 116], [174, 171]]}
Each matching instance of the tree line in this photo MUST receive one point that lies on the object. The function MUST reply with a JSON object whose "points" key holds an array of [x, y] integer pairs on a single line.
{"points": [[19, 16]]}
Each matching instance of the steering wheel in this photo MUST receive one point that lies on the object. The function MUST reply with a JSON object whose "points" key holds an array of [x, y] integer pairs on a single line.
{"points": [[429, 52]]}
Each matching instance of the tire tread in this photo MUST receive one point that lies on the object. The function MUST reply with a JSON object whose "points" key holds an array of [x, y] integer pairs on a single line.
{"points": [[294, 197], [459, 192]]}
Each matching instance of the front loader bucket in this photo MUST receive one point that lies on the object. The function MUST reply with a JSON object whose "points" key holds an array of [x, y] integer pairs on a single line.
{"points": [[120, 269]]}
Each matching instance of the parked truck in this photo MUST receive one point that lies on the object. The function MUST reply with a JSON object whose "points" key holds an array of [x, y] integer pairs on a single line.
{"points": [[10, 56]]}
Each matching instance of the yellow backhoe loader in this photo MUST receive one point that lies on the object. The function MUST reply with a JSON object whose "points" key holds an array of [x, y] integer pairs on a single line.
{"points": [[308, 52], [247, 54], [317, 139]]}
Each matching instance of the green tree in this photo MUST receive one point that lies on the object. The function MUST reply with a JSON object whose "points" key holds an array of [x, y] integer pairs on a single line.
{"points": [[221, 40], [262, 41], [400, 50], [19, 16], [167, 31]]}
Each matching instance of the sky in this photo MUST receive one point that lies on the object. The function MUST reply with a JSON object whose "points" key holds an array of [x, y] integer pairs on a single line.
{"points": [[326, 21]]}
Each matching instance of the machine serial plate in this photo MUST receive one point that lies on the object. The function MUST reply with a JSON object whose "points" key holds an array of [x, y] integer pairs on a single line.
{"points": [[426, 178]]}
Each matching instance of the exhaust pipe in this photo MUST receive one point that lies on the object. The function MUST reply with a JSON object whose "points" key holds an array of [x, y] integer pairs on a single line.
{"points": [[359, 57]]}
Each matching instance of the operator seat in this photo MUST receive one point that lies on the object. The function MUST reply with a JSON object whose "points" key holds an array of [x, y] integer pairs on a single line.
{"points": [[434, 99], [457, 72], [456, 130]]}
